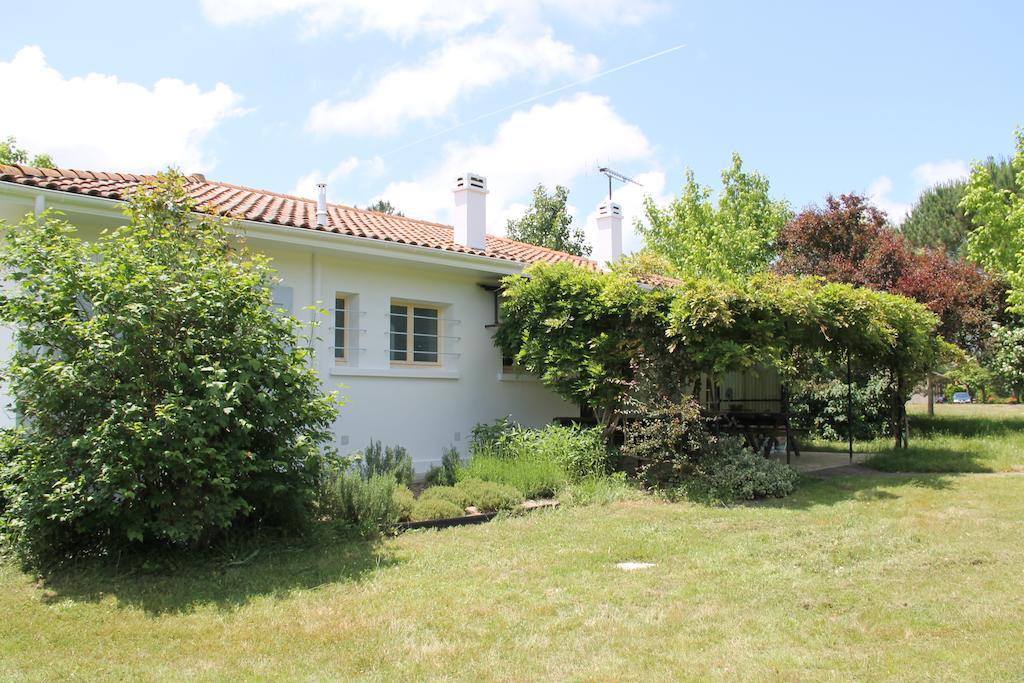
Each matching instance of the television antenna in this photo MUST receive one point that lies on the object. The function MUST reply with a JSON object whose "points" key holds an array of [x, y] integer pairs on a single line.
{"points": [[617, 176]]}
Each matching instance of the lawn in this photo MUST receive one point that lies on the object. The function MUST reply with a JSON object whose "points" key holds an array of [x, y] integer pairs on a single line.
{"points": [[958, 438], [875, 577]]}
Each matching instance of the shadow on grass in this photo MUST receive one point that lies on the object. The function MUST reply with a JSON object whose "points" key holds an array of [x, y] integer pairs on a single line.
{"points": [[814, 492], [930, 439], [966, 425], [930, 459], [225, 579]]}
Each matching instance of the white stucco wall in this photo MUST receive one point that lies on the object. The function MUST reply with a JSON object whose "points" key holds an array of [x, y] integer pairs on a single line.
{"points": [[424, 409]]}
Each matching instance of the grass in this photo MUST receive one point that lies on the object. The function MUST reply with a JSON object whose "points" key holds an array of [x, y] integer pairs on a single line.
{"points": [[958, 438], [869, 578]]}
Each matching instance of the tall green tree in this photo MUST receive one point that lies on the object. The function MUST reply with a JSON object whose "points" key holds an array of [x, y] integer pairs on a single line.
{"points": [[730, 239], [937, 219], [10, 153], [997, 242], [1008, 358], [547, 223], [384, 206]]}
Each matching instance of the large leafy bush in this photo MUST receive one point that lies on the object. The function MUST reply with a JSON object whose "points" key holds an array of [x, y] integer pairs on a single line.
{"points": [[731, 471], [667, 440], [162, 397], [819, 403], [675, 452]]}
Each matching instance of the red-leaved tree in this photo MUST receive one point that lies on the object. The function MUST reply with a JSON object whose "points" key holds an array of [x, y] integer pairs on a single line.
{"points": [[848, 240]]}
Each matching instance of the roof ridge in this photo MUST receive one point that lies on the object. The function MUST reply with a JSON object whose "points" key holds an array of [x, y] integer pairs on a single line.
{"points": [[62, 172], [298, 198]]}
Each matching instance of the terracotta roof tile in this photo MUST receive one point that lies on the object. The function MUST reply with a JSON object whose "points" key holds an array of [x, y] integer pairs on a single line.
{"points": [[280, 209]]}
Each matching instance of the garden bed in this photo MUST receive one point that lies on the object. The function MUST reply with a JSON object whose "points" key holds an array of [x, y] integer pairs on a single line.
{"points": [[475, 518]]}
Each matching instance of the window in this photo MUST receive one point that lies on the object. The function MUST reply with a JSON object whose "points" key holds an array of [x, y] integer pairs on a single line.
{"points": [[281, 297], [415, 334], [340, 328]]}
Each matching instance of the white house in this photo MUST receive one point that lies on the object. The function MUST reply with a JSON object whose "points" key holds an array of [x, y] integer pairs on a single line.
{"points": [[409, 344]]}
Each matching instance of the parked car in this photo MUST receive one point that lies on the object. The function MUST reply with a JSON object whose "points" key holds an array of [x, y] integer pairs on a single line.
{"points": [[962, 397]]}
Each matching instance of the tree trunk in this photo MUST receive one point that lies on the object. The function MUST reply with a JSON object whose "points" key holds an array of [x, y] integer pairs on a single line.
{"points": [[931, 395], [610, 419], [901, 413], [898, 414]]}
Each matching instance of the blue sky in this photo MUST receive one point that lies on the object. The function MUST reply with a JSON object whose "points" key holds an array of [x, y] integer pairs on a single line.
{"points": [[374, 97]]}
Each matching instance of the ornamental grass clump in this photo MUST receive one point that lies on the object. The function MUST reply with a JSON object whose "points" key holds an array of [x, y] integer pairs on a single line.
{"points": [[164, 399], [536, 462]]}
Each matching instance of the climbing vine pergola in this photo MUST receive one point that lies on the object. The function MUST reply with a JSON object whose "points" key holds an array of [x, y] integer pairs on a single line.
{"points": [[585, 333]]}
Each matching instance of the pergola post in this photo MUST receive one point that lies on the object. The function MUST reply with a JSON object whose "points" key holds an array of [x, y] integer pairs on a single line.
{"points": [[849, 402]]}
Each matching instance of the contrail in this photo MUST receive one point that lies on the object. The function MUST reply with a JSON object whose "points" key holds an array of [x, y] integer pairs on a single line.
{"points": [[546, 93]]}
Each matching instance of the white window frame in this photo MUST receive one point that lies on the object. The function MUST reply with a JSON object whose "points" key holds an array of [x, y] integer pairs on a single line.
{"points": [[410, 335], [345, 328]]}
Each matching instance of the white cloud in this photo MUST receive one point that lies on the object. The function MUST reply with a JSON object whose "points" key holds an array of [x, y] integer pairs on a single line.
{"points": [[935, 172], [431, 88], [924, 176], [408, 18], [878, 194], [100, 122], [305, 186], [547, 144]]}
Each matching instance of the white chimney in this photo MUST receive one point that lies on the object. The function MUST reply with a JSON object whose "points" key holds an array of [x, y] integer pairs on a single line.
{"points": [[321, 205], [470, 219], [609, 233]]}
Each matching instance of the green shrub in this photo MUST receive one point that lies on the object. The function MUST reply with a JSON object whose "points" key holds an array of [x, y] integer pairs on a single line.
{"points": [[165, 399], [489, 496], [532, 476], [733, 472], [677, 453], [668, 441], [404, 501], [819, 404], [367, 505], [447, 473], [449, 494], [394, 460], [488, 437], [434, 508]]}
